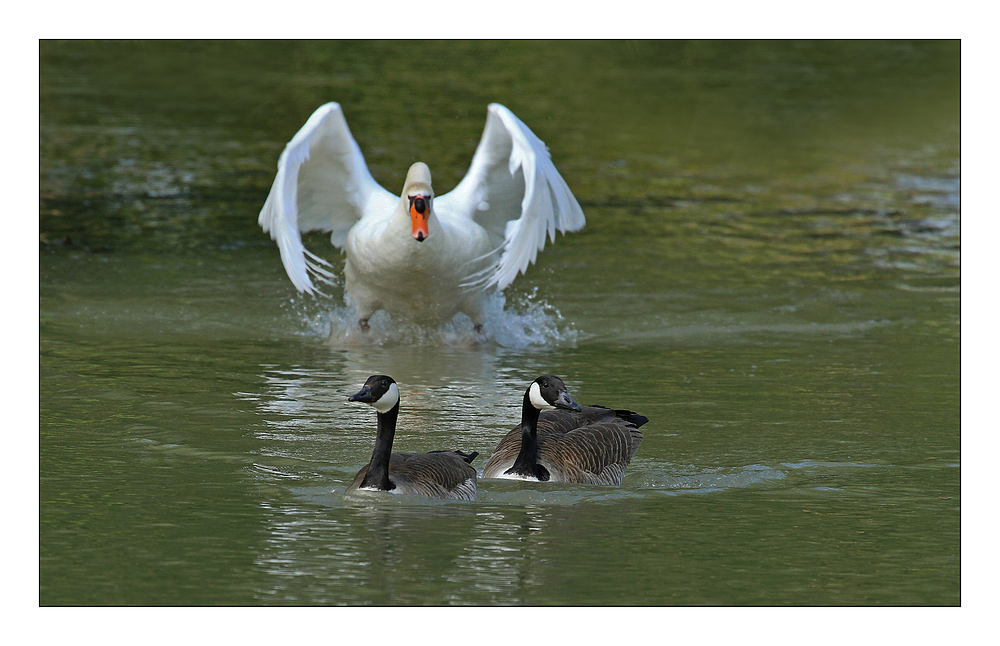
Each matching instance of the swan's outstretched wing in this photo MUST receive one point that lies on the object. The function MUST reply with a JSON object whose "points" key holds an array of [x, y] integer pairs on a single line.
{"points": [[515, 192], [323, 184]]}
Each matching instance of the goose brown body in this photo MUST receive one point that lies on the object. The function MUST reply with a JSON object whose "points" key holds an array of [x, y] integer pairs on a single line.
{"points": [[590, 445], [440, 474]]}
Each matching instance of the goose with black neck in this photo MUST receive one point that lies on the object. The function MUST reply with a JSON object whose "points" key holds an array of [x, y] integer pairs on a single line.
{"points": [[560, 441], [437, 474]]}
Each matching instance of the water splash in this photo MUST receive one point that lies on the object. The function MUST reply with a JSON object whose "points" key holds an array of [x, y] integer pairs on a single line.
{"points": [[527, 321]]}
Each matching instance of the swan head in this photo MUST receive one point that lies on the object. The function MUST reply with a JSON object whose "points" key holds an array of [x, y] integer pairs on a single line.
{"points": [[380, 391], [548, 392], [418, 194]]}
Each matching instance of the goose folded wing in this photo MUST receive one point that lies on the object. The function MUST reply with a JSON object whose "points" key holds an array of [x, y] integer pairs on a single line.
{"points": [[601, 451], [563, 421], [438, 474]]}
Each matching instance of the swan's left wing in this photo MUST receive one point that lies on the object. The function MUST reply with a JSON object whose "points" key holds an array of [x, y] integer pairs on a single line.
{"points": [[515, 192], [322, 184]]}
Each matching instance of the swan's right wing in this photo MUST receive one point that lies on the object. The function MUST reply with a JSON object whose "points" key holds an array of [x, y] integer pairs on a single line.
{"points": [[322, 184], [513, 190]]}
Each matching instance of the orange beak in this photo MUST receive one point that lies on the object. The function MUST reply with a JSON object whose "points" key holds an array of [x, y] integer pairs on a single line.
{"points": [[420, 210]]}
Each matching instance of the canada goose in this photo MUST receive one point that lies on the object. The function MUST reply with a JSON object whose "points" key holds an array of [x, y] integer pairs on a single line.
{"points": [[560, 441], [438, 474], [416, 255]]}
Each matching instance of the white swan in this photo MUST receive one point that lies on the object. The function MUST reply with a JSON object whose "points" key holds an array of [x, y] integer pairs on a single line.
{"points": [[418, 256]]}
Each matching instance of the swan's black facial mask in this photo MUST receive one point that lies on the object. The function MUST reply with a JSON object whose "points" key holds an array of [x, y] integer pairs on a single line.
{"points": [[420, 210]]}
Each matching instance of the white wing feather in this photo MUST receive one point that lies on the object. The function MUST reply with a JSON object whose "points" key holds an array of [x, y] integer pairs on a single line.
{"points": [[515, 192], [322, 184]]}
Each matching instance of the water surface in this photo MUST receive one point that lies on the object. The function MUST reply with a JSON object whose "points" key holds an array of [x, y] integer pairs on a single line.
{"points": [[770, 273]]}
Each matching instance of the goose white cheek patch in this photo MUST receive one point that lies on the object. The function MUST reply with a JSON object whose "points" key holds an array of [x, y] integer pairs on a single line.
{"points": [[535, 396], [385, 403]]}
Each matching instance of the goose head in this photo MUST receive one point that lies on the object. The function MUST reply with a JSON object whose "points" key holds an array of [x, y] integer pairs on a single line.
{"points": [[548, 392], [380, 391], [417, 197]]}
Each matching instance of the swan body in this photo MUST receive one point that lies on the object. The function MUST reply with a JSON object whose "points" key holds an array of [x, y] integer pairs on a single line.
{"points": [[438, 474], [560, 441], [418, 256]]}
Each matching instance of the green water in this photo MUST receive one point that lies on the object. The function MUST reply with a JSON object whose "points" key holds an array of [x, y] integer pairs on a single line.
{"points": [[769, 272]]}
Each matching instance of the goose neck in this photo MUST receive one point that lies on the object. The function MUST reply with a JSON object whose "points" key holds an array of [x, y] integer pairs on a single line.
{"points": [[527, 458], [529, 416], [378, 468]]}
